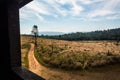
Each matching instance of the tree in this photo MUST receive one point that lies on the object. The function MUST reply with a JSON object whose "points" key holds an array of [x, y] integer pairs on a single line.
{"points": [[35, 33]]}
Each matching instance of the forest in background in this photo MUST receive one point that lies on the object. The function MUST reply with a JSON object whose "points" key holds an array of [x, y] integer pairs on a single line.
{"points": [[110, 34]]}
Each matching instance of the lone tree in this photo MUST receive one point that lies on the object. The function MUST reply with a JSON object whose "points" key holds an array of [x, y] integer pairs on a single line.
{"points": [[35, 33]]}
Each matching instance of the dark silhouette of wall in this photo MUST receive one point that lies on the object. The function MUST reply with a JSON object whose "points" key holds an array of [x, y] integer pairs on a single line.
{"points": [[10, 54]]}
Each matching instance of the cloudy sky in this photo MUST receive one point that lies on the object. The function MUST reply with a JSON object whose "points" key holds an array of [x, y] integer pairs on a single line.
{"points": [[70, 15]]}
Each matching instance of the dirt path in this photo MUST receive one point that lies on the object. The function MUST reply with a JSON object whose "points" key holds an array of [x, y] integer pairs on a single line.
{"points": [[108, 73], [34, 66]]}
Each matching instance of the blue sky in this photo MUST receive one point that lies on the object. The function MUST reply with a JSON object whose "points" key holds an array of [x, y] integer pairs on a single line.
{"points": [[70, 15]]}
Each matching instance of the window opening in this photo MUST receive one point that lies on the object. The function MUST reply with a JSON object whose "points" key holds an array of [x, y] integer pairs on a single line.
{"points": [[72, 35]]}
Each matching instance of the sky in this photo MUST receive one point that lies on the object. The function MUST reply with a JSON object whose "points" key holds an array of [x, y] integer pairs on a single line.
{"points": [[70, 15]]}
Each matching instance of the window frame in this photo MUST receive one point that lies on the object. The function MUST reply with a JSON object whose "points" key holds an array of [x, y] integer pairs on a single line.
{"points": [[12, 12]]}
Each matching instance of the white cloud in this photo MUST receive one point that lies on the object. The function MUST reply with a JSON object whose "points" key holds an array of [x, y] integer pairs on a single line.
{"points": [[55, 8], [34, 8], [98, 13], [56, 5], [107, 8], [114, 17], [90, 1], [52, 8], [38, 7], [24, 13], [111, 4], [76, 9], [40, 17], [62, 1], [86, 1]]}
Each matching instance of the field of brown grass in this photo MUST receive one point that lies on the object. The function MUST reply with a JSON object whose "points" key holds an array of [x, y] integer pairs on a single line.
{"points": [[78, 55]]}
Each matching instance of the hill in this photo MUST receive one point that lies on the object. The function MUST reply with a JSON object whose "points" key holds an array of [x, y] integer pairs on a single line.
{"points": [[110, 34]]}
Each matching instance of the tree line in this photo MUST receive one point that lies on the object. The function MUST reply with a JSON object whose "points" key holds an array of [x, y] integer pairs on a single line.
{"points": [[110, 34]]}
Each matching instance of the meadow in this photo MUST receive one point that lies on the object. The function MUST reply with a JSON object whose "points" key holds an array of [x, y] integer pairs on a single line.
{"points": [[77, 54], [73, 54], [74, 60]]}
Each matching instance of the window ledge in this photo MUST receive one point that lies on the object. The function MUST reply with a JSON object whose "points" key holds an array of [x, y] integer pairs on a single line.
{"points": [[26, 74]]}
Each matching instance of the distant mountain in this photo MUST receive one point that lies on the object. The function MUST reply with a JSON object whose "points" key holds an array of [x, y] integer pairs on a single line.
{"points": [[48, 33]]}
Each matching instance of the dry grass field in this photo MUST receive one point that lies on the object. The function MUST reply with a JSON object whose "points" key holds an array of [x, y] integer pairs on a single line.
{"points": [[78, 54], [76, 60]]}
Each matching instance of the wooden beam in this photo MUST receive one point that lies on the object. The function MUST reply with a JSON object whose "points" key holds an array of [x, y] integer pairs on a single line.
{"points": [[23, 2]]}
